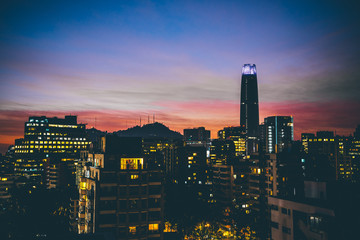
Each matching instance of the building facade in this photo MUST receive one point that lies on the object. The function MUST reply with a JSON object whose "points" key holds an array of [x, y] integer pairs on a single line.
{"points": [[279, 132], [121, 197]]}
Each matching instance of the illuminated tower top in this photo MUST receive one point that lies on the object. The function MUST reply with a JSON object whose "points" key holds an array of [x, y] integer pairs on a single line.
{"points": [[249, 69]]}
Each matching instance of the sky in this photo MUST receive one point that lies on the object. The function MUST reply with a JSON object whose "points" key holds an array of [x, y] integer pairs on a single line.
{"points": [[114, 62]]}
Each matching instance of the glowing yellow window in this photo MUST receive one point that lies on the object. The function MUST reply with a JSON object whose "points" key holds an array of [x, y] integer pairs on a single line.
{"points": [[134, 176], [132, 163], [83, 185], [154, 227], [132, 230]]}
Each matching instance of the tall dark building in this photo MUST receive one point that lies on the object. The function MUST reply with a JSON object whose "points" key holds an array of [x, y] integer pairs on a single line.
{"points": [[249, 104]]}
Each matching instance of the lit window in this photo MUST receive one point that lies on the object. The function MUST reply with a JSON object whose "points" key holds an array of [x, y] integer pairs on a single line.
{"points": [[82, 185], [154, 227], [132, 230], [134, 176], [131, 163]]}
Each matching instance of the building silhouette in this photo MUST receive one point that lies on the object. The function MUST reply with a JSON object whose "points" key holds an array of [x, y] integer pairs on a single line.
{"points": [[249, 105]]}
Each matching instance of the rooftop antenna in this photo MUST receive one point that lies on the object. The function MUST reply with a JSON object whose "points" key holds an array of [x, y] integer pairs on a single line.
{"points": [[140, 121], [153, 118], [148, 119]]}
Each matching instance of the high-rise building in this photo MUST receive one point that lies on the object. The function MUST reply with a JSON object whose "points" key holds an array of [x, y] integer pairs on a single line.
{"points": [[249, 104], [279, 133], [47, 153]]}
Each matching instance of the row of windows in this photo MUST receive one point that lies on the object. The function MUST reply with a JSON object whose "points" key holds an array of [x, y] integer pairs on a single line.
{"points": [[131, 190], [283, 210], [284, 229], [130, 204], [129, 218], [50, 142]]}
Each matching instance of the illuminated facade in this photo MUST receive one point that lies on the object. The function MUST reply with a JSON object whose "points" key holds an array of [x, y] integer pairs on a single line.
{"points": [[279, 132], [49, 149], [121, 196], [237, 135], [249, 105]]}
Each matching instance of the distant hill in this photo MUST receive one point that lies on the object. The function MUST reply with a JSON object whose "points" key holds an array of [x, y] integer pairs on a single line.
{"points": [[149, 131], [94, 133]]}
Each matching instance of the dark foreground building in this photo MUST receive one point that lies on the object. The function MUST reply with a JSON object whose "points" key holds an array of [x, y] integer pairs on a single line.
{"points": [[120, 195]]}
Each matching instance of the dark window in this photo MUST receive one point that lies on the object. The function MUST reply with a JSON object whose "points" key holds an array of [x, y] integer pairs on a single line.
{"points": [[122, 204], [133, 217], [108, 177], [122, 218], [286, 230], [133, 204], [143, 217], [107, 205], [275, 225], [123, 179], [284, 210], [144, 203], [154, 177], [107, 191], [143, 190], [107, 219], [154, 216], [274, 207], [154, 190], [122, 191], [133, 191], [154, 202], [123, 231]]}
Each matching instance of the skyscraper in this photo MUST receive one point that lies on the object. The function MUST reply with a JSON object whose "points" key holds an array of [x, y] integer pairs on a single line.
{"points": [[279, 133], [249, 104]]}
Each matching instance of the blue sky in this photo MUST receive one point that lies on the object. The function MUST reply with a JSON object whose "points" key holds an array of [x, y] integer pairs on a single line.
{"points": [[143, 57]]}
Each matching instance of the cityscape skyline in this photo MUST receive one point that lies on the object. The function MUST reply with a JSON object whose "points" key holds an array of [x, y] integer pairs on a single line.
{"points": [[111, 64]]}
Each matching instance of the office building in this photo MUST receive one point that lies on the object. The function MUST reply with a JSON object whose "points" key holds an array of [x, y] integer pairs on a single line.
{"points": [[279, 132], [47, 153], [237, 135]]}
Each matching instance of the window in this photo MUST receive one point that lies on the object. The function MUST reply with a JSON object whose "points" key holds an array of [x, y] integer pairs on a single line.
{"points": [[154, 216], [132, 230], [274, 207], [283, 210], [134, 176], [286, 230], [275, 225], [131, 163], [133, 217], [154, 227], [122, 218]]}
